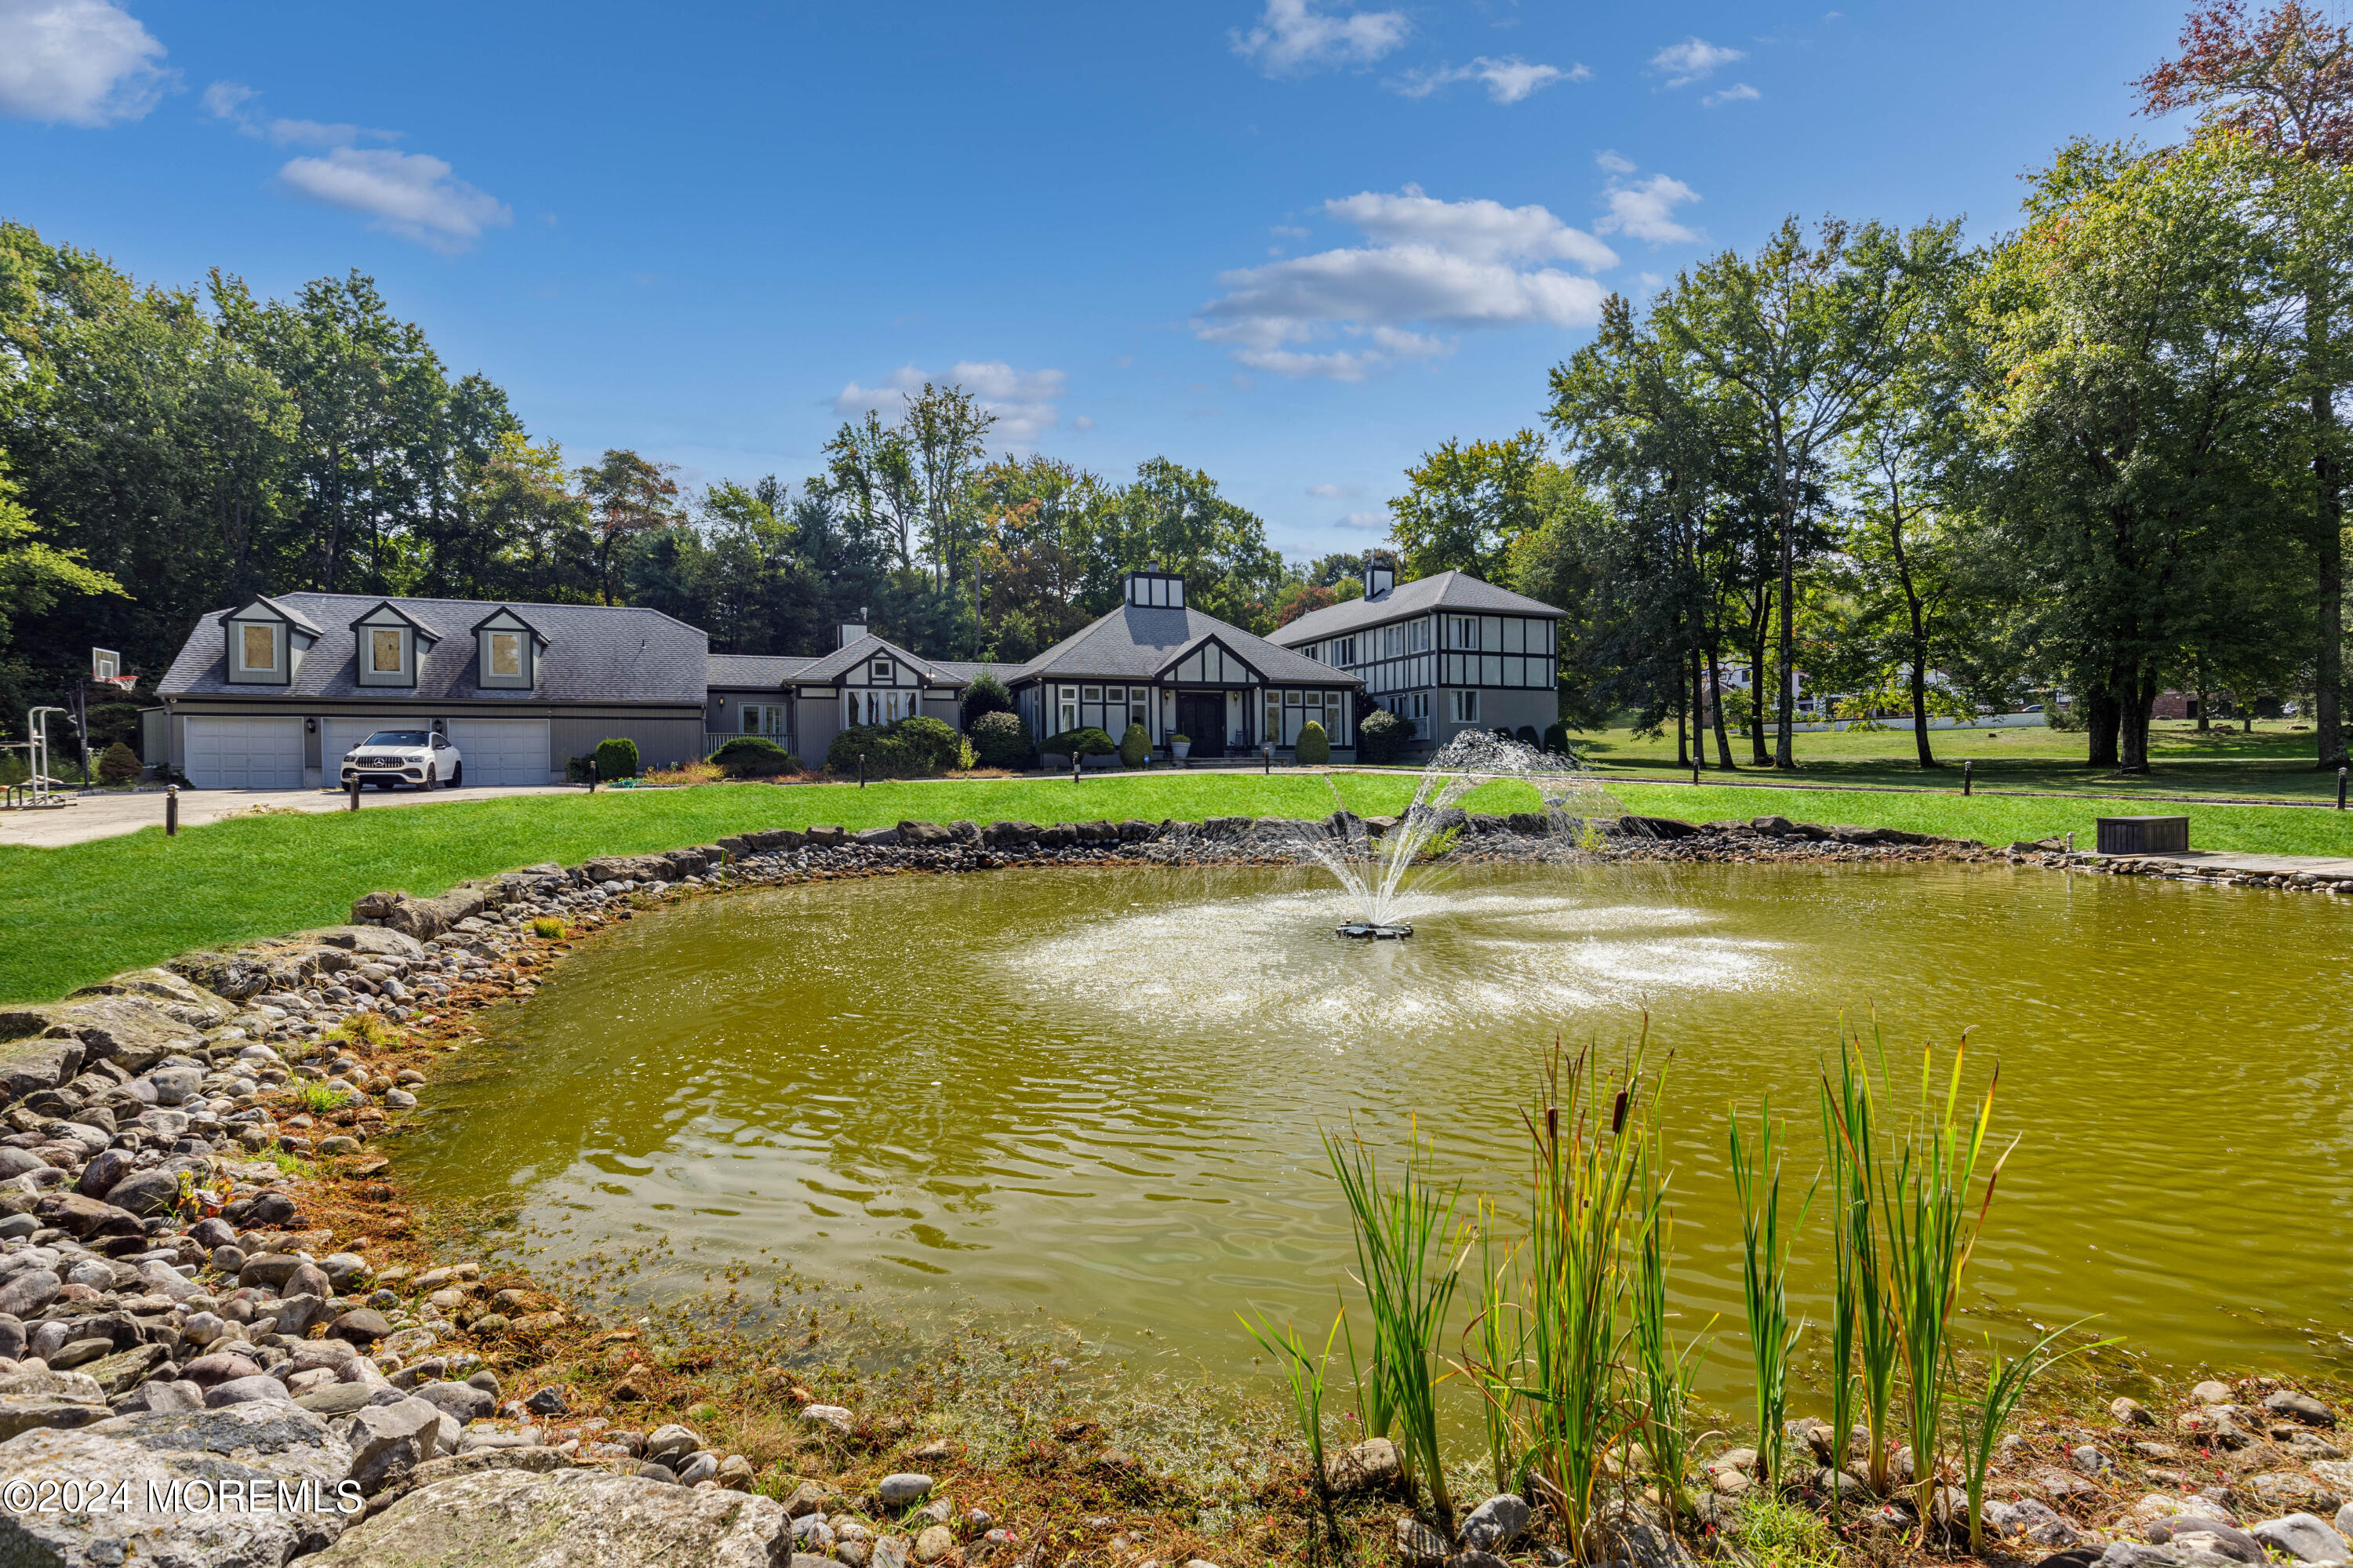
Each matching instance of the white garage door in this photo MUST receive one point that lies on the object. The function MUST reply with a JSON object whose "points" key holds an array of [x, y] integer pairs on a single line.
{"points": [[245, 753], [503, 751], [337, 735]]}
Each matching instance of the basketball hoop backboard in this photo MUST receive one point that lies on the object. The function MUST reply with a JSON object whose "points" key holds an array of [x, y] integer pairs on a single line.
{"points": [[105, 664]]}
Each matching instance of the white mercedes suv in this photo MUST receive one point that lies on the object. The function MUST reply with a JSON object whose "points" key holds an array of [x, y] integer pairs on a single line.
{"points": [[424, 758]]}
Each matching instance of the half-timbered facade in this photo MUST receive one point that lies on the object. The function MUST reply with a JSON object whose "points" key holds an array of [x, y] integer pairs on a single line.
{"points": [[1157, 661], [1447, 653], [803, 703]]}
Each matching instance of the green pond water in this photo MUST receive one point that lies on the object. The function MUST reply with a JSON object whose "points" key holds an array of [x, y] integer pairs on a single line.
{"points": [[1098, 1094]]}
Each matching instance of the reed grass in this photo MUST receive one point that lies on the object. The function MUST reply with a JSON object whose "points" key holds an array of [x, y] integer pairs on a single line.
{"points": [[1494, 1340], [1865, 1345], [1663, 1371], [1304, 1377], [2005, 1386], [1924, 1200], [1403, 1236], [1757, 1171], [1587, 1192]]}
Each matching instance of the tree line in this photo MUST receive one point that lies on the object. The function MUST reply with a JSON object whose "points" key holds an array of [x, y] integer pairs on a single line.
{"points": [[167, 451], [2102, 453]]}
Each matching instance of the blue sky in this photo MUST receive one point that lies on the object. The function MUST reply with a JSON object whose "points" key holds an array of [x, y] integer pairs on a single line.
{"points": [[1293, 243]]}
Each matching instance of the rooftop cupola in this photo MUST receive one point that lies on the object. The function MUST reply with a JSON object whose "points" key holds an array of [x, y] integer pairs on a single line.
{"points": [[1379, 576], [1151, 588]]}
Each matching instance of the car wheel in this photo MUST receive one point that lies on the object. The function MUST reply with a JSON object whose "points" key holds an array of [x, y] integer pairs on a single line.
{"points": [[458, 777], [429, 784]]}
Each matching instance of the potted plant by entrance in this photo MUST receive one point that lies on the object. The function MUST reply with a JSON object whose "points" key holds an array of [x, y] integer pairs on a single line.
{"points": [[1180, 746]]}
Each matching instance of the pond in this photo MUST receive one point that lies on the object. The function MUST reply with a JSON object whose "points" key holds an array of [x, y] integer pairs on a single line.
{"points": [[1099, 1093]]}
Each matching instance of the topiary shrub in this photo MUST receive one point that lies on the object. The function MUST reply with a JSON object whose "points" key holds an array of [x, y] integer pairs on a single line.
{"points": [[617, 758], [999, 740], [1555, 738], [1086, 742], [1382, 736], [1134, 747], [1526, 734], [1313, 748], [753, 757], [986, 695], [120, 765]]}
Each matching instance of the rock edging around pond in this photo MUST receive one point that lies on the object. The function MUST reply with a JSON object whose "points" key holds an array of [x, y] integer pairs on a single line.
{"points": [[175, 1309]]}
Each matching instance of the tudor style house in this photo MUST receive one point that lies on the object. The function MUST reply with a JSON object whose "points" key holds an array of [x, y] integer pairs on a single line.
{"points": [[802, 703], [1157, 661], [269, 695], [1449, 652]]}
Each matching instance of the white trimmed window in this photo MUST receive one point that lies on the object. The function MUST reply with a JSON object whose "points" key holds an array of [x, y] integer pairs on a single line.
{"points": [[1464, 708]]}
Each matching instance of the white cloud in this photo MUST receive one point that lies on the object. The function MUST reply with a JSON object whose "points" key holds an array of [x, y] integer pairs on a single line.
{"points": [[1433, 263], [1334, 491], [1290, 230], [1693, 61], [1366, 520], [408, 194], [1292, 37], [1022, 400], [1610, 163], [232, 102], [77, 62], [1508, 79], [1646, 211], [1738, 93], [1082, 423]]}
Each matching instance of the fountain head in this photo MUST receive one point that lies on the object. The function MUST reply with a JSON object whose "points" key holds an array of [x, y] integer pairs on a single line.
{"points": [[1374, 931]]}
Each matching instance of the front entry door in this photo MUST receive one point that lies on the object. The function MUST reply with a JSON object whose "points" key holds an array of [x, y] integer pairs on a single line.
{"points": [[1202, 715]]}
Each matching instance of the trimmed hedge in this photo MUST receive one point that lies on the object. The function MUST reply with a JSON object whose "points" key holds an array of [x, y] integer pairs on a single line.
{"points": [[617, 758], [1382, 736], [999, 740], [1088, 741], [1313, 748], [753, 757], [1135, 746], [1555, 738], [909, 748]]}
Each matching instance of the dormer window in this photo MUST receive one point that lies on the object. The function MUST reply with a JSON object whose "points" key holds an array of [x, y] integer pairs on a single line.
{"points": [[265, 642], [506, 652], [391, 642], [258, 650], [881, 674]]}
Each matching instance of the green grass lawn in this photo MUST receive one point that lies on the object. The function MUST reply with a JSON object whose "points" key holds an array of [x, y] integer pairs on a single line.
{"points": [[2272, 762], [71, 915]]}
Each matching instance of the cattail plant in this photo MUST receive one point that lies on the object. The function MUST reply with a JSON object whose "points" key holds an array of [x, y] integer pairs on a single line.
{"points": [[1865, 1345], [1765, 1278], [1991, 1408], [1492, 1342], [1302, 1375], [1403, 1238], [1931, 1233]]}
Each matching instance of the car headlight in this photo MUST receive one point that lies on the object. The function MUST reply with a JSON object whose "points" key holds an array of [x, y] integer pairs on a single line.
{"points": [[351, 756]]}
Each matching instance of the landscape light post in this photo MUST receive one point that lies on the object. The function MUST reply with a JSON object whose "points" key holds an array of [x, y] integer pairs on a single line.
{"points": [[353, 789], [2340, 789], [591, 776], [1075, 764], [170, 810], [861, 770], [1969, 777]]}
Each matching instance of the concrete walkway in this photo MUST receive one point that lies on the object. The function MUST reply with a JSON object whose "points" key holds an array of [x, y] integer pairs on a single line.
{"points": [[2225, 862], [107, 816]]}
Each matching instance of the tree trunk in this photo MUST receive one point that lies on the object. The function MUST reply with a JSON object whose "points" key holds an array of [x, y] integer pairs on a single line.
{"points": [[1920, 710], [1715, 687], [1699, 708], [2139, 694], [2205, 716], [2328, 549], [1786, 714], [1757, 623], [2100, 712]]}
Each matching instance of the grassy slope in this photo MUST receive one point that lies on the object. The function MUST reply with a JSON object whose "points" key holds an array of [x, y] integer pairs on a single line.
{"points": [[71, 915], [2274, 761]]}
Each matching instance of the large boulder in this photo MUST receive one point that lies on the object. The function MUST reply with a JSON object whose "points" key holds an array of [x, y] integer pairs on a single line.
{"points": [[421, 918], [388, 1441], [169, 1469], [175, 993], [27, 1067], [369, 941], [566, 1519], [33, 1400]]}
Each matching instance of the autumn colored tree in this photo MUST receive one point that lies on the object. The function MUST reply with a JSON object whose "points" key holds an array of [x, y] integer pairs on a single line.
{"points": [[627, 496]]}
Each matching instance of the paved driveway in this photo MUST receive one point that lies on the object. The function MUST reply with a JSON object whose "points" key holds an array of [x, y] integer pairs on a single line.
{"points": [[105, 816]]}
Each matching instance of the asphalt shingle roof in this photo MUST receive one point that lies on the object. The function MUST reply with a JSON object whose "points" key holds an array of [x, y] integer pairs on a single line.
{"points": [[1141, 640], [595, 654], [1452, 590], [841, 660], [756, 669]]}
